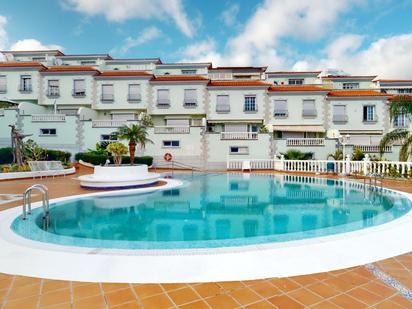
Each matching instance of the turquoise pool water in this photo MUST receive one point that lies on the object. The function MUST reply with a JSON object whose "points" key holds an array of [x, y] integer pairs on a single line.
{"points": [[216, 210]]}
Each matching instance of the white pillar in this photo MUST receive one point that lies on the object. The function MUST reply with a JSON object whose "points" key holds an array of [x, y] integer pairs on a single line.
{"points": [[366, 162]]}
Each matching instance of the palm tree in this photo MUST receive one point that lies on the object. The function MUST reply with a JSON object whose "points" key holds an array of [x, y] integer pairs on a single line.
{"points": [[136, 135], [338, 155], [400, 105]]}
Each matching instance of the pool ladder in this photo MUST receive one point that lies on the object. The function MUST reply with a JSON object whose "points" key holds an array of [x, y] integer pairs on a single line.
{"points": [[45, 201]]}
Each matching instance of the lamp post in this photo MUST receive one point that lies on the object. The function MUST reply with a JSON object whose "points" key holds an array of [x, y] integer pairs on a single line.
{"points": [[343, 140]]}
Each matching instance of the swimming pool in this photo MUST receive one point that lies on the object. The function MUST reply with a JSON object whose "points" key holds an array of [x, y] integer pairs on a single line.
{"points": [[216, 210]]}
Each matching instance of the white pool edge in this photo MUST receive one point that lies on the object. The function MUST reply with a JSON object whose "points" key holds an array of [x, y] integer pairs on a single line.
{"points": [[20, 256]]}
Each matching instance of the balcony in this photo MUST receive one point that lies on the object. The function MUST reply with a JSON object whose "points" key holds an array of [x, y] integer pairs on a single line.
{"points": [[48, 118], [238, 135], [108, 123], [303, 142], [172, 130], [372, 148]]}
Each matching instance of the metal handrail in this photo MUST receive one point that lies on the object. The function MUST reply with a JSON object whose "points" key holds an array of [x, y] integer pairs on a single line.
{"points": [[172, 164], [27, 200]]}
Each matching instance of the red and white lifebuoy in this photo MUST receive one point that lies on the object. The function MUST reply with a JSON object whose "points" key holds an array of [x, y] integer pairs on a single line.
{"points": [[168, 156]]}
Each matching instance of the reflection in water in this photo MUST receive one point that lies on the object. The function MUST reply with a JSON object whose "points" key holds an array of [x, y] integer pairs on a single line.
{"points": [[226, 206]]}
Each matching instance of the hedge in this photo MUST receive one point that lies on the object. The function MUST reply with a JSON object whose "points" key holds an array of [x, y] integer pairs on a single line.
{"points": [[58, 155], [100, 159], [6, 155]]}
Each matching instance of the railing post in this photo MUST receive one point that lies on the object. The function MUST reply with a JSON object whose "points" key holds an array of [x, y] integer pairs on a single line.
{"points": [[282, 162], [366, 163], [347, 168]]}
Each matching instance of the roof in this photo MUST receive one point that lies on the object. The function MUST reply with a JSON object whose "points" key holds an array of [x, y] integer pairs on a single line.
{"points": [[124, 73], [186, 64], [368, 77], [132, 60], [294, 73], [299, 128], [69, 68], [296, 88], [21, 64], [46, 51], [262, 69], [178, 78], [237, 83], [394, 81], [357, 93], [106, 56]]}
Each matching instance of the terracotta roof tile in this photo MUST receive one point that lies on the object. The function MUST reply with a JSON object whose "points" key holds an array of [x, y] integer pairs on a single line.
{"points": [[177, 78], [238, 83], [394, 80], [357, 93], [21, 64], [296, 88], [124, 73], [70, 68]]}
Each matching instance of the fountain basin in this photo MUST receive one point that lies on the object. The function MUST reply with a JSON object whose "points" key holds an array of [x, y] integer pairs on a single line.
{"points": [[119, 177]]}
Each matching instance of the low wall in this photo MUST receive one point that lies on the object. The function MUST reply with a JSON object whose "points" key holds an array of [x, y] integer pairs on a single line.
{"points": [[21, 175]]}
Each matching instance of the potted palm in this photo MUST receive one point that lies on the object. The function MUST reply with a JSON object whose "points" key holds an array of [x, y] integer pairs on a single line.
{"points": [[136, 135], [117, 150]]}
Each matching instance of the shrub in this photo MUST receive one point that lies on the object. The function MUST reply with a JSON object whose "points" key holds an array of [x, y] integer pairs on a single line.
{"points": [[6, 155], [95, 159], [118, 150], [139, 160], [298, 155], [58, 155], [358, 154]]}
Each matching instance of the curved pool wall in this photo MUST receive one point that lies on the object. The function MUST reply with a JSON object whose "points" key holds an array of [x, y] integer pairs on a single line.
{"points": [[217, 210]]}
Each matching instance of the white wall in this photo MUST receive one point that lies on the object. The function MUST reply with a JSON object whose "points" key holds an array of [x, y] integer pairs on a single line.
{"points": [[13, 84]]}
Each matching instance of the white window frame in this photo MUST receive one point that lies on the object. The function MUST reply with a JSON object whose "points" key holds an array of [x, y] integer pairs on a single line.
{"points": [[250, 103], [26, 83], [78, 92], [137, 96], [189, 72], [296, 81], [350, 86], [111, 138], [399, 121], [107, 96], [163, 100], [190, 100], [174, 141], [242, 150], [43, 132], [339, 117], [309, 112], [220, 107], [370, 113], [53, 90], [280, 112]]}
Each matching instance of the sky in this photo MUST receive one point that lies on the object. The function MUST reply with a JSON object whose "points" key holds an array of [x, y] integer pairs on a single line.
{"points": [[354, 36]]}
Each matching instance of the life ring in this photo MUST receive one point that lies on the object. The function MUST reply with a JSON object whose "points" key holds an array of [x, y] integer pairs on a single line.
{"points": [[168, 156]]}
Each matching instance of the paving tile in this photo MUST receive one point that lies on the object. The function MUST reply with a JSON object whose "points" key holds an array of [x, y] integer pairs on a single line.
{"points": [[173, 286], [24, 291], [245, 296], [222, 301], [183, 296], [208, 289], [5, 283], [110, 287], [54, 298], [304, 280], [157, 302], [118, 297], [52, 285], [379, 288], [387, 304], [146, 290], [128, 305], [340, 284], [366, 296], [83, 291], [26, 303], [95, 302], [285, 302], [325, 305], [261, 305], [346, 301], [22, 281], [400, 300], [200, 304], [231, 285], [266, 289], [305, 297], [323, 290], [285, 284], [59, 306]]}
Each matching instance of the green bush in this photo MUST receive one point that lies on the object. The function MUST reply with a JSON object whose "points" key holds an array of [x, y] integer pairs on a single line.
{"points": [[6, 155], [58, 155], [138, 160], [95, 159], [297, 155]]}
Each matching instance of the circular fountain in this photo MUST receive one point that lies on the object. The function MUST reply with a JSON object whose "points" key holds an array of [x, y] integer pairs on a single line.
{"points": [[119, 177]]}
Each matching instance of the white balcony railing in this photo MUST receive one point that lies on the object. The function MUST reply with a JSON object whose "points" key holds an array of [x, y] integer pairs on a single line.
{"points": [[108, 123], [238, 135], [48, 118], [171, 130], [373, 148], [305, 142]]}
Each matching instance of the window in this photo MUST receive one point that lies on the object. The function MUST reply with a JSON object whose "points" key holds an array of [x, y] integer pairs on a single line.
{"points": [[39, 59], [309, 108], [53, 88], [25, 83], [240, 150], [3, 83], [190, 98], [87, 62], [163, 97], [250, 103], [222, 104], [369, 113], [171, 144], [123, 116], [405, 90], [79, 88], [177, 122], [296, 81], [399, 121], [349, 86], [107, 92], [339, 113], [281, 108], [47, 131], [188, 72], [134, 92], [108, 138]]}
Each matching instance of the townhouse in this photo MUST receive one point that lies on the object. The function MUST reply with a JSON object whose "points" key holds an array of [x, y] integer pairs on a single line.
{"points": [[202, 115]]}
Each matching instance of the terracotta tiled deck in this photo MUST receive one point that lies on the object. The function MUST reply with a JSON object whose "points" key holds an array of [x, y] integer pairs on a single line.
{"points": [[356, 287]]}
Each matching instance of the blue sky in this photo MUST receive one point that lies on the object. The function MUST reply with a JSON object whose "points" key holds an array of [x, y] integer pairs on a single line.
{"points": [[357, 36]]}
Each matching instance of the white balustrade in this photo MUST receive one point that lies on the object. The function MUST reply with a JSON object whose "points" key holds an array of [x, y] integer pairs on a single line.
{"points": [[48, 118], [373, 148], [238, 135], [172, 130], [305, 142], [108, 123]]}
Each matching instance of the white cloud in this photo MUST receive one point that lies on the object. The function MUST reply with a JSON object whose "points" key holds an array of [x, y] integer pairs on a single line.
{"points": [[120, 10], [3, 33], [387, 57], [145, 36], [229, 15], [33, 44], [203, 51]]}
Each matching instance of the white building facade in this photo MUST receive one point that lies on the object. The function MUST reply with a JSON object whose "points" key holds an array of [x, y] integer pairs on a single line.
{"points": [[201, 114]]}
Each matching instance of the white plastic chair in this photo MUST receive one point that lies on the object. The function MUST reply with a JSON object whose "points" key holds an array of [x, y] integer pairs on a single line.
{"points": [[246, 166]]}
